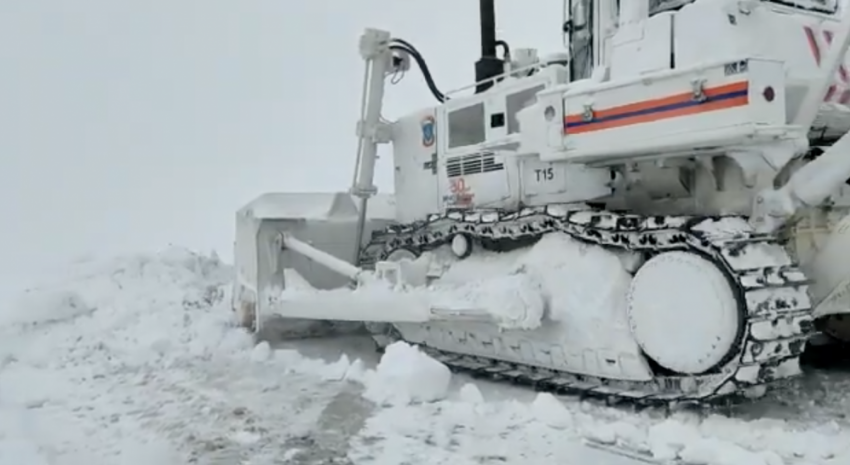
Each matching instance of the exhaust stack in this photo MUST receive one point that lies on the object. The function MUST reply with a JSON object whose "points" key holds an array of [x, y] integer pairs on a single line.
{"points": [[490, 65]]}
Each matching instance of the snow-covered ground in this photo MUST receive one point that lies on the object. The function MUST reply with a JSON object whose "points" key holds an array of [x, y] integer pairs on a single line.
{"points": [[137, 361]]}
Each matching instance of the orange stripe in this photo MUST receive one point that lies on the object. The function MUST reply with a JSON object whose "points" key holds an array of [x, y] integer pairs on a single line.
{"points": [[669, 100], [692, 110]]}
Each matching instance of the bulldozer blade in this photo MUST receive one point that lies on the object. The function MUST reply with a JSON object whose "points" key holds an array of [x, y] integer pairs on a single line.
{"points": [[830, 272], [327, 221]]}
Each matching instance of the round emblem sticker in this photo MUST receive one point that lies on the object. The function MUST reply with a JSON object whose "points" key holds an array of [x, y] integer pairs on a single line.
{"points": [[428, 135]]}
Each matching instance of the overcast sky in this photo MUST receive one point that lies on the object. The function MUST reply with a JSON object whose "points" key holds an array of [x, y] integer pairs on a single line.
{"points": [[128, 125]]}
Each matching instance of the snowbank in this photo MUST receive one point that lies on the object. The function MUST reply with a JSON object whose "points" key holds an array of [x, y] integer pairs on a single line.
{"points": [[77, 351], [167, 305]]}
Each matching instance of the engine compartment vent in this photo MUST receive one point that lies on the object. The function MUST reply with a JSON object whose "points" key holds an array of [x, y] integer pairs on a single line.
{"points": [[476, 163]]}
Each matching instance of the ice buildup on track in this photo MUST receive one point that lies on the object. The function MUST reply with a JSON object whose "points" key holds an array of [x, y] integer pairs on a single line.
{"points": [[512, 301], [578, 278], [558, 277]]}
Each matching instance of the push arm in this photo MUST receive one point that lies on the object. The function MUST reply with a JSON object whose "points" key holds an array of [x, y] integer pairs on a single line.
{"points": [[812, 184]]}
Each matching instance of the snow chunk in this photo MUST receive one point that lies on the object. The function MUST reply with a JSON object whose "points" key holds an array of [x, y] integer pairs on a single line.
{"points": [[601, 433], [722, 227], [470, 394], [674, 439], [232, 341], [405, 375], [669, 437], [245, 437], [719, 452], [261, 352], [356, 371], [338, 370], [756, 255], [550, 411], [291, 361]]}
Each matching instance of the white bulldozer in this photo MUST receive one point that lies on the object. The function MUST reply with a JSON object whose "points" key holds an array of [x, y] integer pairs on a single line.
{"points": [[679, 171]]}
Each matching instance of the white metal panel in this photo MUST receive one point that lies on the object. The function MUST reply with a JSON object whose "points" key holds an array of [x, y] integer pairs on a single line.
{"points": [[795, 37], [559, 182], [486, 174], [415, 141], [640, 113], [661, 104], [642, 47], [765, 75]]}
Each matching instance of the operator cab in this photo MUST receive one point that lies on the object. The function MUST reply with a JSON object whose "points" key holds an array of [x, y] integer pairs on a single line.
{"points": [[590, 27]]}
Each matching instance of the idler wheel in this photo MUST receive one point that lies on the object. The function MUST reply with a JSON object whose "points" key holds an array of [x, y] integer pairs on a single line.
{"points": [[684, 313]]}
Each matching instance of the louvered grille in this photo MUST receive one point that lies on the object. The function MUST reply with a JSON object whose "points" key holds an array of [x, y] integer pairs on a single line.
{"points": [[472, 164]]}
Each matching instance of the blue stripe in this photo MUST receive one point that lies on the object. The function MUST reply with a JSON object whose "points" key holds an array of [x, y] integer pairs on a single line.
{"points": [[660, 109]]}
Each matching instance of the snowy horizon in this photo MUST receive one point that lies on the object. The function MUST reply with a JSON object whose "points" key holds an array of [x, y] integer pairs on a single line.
{"points": [[132, 126]]}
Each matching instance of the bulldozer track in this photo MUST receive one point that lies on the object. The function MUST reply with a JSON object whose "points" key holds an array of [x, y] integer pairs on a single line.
{"points": [[772, 293]]}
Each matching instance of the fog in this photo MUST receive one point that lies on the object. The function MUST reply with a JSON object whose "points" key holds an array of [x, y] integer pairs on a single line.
{"points": [[128, 126]]}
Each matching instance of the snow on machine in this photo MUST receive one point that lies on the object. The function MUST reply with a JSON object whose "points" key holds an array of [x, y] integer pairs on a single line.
{"points": [[671, 191]]}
